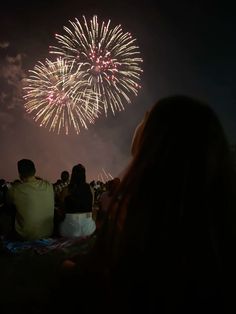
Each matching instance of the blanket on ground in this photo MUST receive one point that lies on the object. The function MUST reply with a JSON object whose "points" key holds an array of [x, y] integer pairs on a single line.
{"points": [[44, 246]]}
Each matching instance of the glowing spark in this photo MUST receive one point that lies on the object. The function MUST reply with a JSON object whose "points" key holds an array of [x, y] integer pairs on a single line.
{"points": [[58, 95], [108, 57]]}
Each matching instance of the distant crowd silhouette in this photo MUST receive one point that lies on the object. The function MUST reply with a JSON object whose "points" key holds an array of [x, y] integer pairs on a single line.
{"points": [[165, 227]]}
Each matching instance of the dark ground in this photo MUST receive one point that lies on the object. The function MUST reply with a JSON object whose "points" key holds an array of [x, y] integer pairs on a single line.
{"points": [[29, 280]]}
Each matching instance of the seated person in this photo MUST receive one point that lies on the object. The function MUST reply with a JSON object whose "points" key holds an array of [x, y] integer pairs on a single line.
{"points": [[76, 202], [61, 184], [107, 195], [33, 200], [167, 246]]}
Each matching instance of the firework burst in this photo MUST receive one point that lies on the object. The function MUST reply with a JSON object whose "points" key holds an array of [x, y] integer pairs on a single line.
{"points": [[58, 95], [108, 57]]}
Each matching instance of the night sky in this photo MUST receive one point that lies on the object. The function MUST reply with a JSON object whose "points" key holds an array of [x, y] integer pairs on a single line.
{"points": [[188, 47]]}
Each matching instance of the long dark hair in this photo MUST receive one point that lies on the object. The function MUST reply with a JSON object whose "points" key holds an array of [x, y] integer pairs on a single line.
{"points": [[172, 220], [78, 177]]}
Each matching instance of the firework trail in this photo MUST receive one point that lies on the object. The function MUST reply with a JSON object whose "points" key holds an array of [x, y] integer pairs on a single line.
{"points": [[58, 95], [104, 176], [108, 176], [108, 57]]}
